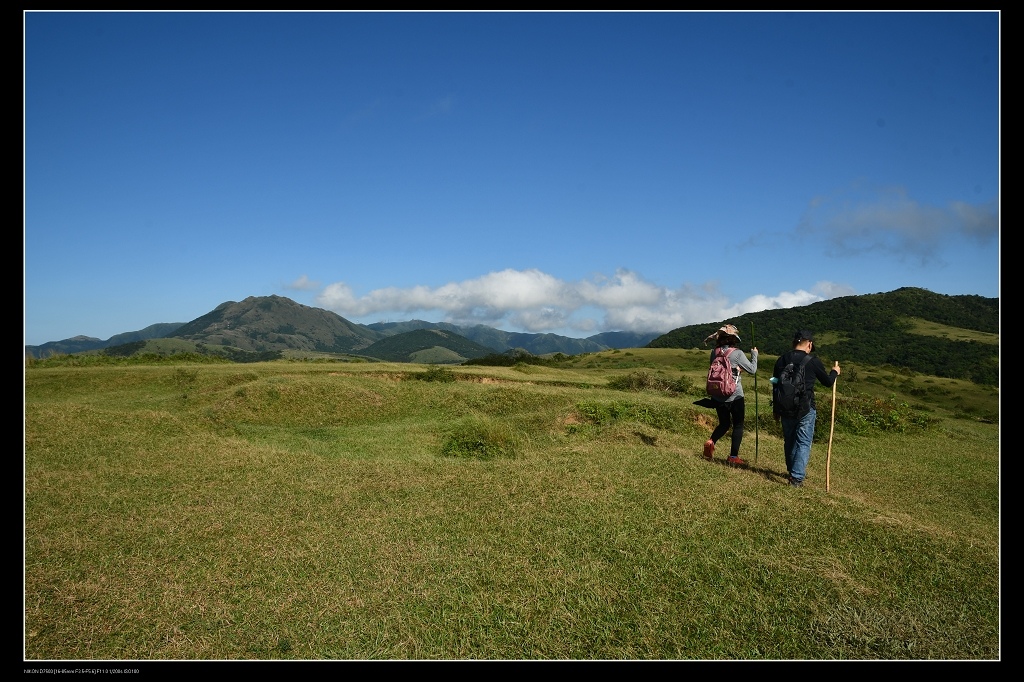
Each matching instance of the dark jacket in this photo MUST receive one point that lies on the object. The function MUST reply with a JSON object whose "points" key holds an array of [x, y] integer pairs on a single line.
{"points": [[815, 371]]}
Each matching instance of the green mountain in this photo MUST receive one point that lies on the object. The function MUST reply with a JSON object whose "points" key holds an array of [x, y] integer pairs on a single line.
{"points": [[622, 339], [276, 323], [429, 346], [81, 344], [266, 324], [909, 328], [537, 344]]}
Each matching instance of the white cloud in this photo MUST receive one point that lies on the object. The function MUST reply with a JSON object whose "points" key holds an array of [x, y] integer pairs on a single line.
{"points": [[863, 220], [623, 290], [303, 283], [979, 222], [535, 301], [827, 290]]}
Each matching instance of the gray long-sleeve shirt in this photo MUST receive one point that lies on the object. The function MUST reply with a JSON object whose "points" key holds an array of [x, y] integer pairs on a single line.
{"points": [[738, 360]]}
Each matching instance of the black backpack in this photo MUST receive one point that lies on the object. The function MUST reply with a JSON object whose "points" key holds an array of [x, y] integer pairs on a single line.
{"points": [[791, 390]]}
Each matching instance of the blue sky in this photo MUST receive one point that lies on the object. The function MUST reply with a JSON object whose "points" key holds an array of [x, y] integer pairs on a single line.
{"points": [[544, 172]]}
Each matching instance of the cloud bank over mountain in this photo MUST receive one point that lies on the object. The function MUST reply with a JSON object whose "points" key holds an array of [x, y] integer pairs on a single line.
{"points": [[536, 302]]}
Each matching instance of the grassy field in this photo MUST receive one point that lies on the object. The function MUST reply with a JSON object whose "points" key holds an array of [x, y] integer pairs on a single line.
{"points": [[317, 510]]}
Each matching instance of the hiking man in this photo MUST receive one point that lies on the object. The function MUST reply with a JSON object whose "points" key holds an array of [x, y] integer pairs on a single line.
{"points": [[729, 404], [793, 379]]}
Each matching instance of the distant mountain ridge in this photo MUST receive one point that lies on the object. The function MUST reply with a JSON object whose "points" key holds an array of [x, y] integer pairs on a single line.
{"points": [[80, 344], [875, 329], [260, 324], [428, 346], [537, 344]]}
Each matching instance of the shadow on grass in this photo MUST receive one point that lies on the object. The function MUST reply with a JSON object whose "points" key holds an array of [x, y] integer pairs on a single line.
{"points": [[768, 473]]}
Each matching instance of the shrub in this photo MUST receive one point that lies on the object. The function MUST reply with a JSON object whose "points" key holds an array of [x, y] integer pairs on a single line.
{"points": [[184, 378], [606, 413], [482, 440], [646, 381], [125, 349], [435, 373], [516, 356], [81, 360], [859, 414]]}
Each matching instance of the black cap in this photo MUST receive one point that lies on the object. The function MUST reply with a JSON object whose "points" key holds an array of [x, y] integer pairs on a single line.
{"points": [[803, 335]]}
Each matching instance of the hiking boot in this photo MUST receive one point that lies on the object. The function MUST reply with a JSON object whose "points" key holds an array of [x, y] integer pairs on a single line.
{"points": [[709, 450], [796, 483], [736, 461]]}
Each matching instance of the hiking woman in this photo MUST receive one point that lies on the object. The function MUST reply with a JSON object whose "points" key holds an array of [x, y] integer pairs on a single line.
{"points": [[731, 409]]}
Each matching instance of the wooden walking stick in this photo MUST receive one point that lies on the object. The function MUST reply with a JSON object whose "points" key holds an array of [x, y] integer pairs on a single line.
{"points": [[832, 429], [756, 432]]}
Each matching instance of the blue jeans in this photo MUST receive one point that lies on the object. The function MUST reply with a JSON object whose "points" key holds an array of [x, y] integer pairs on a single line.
{"points": [[797, 434]]}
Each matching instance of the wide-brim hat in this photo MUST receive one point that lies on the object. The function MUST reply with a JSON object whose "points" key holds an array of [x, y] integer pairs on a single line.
{"points": [[729, 330]]}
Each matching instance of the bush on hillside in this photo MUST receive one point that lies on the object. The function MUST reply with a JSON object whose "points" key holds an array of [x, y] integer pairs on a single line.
{"points": [[435, 373], [603, 413], [125, 349], [480, 439], [647, 381], [861, 414], [516, 356]]}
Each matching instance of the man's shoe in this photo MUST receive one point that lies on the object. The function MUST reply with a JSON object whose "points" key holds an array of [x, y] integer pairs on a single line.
{"points": [[709, 450], [796, 483], [736, 461]]}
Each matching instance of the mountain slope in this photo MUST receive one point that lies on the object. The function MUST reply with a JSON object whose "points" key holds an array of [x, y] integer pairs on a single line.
{"points": [[80, 344], [623, 339], [260, 324], [267, 323], [428, 346], [875, 329], [501, 341]]}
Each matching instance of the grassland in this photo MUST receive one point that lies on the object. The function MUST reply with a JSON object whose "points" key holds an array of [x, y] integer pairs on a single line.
{"points": [[317, 510], [928, 328]]}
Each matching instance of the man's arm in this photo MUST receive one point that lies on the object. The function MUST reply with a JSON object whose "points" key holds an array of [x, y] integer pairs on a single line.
{"points": [[826, 378]]}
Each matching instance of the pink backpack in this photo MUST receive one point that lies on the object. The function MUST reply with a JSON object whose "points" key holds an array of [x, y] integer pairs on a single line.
{"points": [[721, 382]]}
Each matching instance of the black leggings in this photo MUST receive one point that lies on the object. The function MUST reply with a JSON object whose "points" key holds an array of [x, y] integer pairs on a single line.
{"points": [[730, 414]]}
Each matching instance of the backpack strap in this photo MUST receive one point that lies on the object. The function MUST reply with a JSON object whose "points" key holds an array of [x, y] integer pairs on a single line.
{"points": [[734, 367], [803, 365]]}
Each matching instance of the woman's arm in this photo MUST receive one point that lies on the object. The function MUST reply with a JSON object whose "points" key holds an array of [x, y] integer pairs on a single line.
{"points": [[742, 362]]}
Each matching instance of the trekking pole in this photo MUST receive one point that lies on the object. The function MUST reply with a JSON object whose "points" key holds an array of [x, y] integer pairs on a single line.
{"points": [[832, 429], [756, 432]]}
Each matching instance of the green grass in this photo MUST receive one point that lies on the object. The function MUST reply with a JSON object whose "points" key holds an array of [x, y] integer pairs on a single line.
{"points": [[319, 510], [927, 328]]}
